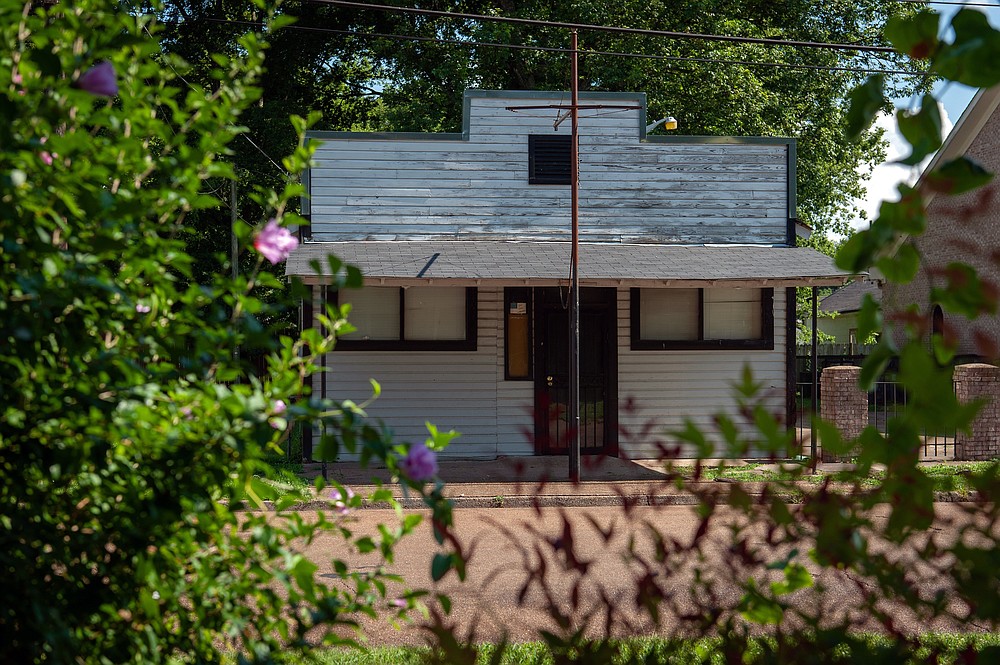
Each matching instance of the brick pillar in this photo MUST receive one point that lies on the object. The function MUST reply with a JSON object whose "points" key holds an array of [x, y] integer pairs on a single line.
{"points": [[843, 404], [975, 381]]}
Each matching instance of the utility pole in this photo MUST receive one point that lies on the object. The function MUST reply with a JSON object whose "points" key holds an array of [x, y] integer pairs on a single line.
{"points": [[574, 280], [573, 408]]}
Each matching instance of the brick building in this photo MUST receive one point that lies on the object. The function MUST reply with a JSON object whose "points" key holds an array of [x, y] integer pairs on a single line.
{"points": [[962, 229]]}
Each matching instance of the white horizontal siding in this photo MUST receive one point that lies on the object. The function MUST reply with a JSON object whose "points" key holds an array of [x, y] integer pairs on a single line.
{"points": [[667, 387], [467, 392], [453, 390]]}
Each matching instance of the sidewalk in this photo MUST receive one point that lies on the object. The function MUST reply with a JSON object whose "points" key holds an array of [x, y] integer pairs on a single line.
{"points": [[516, 482]]}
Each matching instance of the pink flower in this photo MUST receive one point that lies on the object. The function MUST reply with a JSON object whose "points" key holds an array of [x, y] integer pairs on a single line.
{"points": [[45, 155], [275, 242], [399, 603], [187, 413], [420, 463], [142, 309], [340, 500], [278, 408], [99, 80]]}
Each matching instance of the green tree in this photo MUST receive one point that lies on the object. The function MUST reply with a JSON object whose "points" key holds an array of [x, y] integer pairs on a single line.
{"points": [[344, 62], [129, 434]]}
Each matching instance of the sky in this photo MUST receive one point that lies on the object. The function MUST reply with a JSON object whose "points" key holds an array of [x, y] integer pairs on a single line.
{"points": [[954, 100]]}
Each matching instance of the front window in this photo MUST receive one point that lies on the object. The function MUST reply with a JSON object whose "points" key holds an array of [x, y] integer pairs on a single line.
{"points": [[712, 318], [429, 318]]}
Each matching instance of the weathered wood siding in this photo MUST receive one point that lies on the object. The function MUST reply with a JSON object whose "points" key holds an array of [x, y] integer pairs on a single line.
{"points": [[667, 387], [475, 184], [466, 391]]}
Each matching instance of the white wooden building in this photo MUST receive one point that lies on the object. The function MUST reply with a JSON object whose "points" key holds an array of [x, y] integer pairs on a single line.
{"points": [[687, 267]]}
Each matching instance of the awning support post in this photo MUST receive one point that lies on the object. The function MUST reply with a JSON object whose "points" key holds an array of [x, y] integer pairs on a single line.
{"points": [[815, 377]]}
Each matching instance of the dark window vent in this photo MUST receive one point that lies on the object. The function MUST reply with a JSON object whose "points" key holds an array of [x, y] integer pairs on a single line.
{"points": [[549, 159]]}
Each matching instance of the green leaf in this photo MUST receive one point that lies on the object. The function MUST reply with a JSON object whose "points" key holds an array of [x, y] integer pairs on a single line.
{"points": [[796, 577], [869, 317], [445, 602], [855, 254], [757, 608], [902, 267], [874, 365], [440, 566], [365, 544], [907, 215], [922, 130], [914, 35], [866, 101], [411, 521], [829, 437], [973, 57], [957, 176]]}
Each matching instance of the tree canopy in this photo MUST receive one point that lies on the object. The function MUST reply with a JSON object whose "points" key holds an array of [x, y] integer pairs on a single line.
{"points": [[372, 69]]}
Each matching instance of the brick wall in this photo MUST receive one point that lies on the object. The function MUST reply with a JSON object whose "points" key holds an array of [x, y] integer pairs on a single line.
{"points": [[972, 382], [963, 229], [843, 404]]}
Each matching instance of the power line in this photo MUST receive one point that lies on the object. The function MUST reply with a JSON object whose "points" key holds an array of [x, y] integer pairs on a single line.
{"points": [[994, 5], [554, 49], [605, 28]]}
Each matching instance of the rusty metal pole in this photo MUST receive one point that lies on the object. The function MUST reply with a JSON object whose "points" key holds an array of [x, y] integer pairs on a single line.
{"points": [[815, 377], [574, 283]]}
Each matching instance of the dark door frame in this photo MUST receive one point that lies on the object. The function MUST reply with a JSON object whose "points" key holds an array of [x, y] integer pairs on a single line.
{"points": [[593, 300]]}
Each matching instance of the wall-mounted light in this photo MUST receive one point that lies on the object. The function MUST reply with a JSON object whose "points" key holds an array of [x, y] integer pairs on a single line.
{"points": [[670, 122]]}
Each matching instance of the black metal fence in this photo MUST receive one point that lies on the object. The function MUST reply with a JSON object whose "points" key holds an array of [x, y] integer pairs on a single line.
{"points": [[885, 401]]}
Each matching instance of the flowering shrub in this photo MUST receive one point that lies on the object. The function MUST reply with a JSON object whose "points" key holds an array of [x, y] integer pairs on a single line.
{"points": [[128, 426]]}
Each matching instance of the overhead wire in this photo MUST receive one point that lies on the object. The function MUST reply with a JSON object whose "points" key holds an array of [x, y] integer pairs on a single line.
{"points": [[994, 5], [556, 49], [605, 28]]}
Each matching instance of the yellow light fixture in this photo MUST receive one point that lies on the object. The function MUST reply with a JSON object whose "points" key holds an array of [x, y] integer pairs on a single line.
{"points": [[669, 122]]}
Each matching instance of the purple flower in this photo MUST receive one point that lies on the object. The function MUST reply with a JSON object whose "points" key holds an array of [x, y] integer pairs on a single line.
{"points": [[142, 309], [279, 407], [340, 500], [420, 463], [275, 242], [399, 603], [99, 80]]}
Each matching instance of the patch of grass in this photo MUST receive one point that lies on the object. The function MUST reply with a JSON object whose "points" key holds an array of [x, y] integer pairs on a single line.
{"points": [[671, 650], [957, 477]]}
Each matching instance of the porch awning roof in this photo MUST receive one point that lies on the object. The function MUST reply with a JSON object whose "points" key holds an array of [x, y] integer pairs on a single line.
{"points": [[470, 262]]}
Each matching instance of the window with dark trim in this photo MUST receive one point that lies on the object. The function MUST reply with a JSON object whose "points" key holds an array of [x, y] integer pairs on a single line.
{"points": [[714, 318], [415, 318], [549, 159], [517, 334]]}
